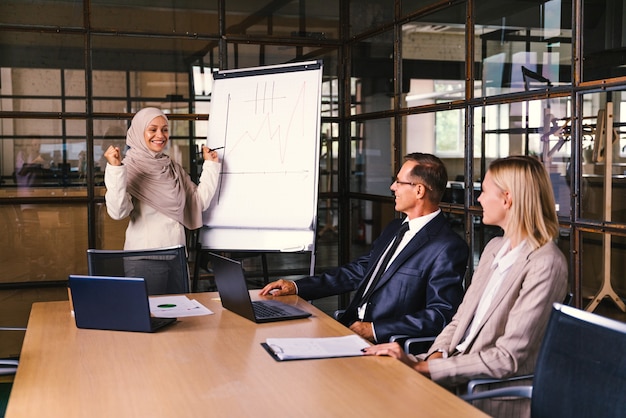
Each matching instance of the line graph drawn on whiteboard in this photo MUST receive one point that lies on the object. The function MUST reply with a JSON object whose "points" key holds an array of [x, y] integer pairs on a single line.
{"points": [[268, 125], [272, 130]]}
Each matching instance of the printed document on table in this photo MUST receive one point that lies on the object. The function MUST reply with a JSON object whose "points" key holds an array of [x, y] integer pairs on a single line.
{"points": [[176, 307], [315, 348]]}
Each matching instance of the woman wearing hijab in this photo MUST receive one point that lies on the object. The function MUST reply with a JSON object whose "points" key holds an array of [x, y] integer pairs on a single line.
{"points": [[156, 192]]}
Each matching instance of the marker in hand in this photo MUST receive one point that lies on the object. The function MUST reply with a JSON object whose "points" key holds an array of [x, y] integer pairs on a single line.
{"points": [[210, 149], [200, 153]]}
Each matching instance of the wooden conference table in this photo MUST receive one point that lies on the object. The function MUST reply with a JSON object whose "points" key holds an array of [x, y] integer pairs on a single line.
{"points": [[208, 366]]}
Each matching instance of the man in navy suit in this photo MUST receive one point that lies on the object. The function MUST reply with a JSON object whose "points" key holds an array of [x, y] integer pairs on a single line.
{"points": [[421, 285]]}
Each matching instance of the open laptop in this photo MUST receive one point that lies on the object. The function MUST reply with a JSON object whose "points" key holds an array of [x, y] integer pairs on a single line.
{"points": [[231, 285], [113, 303]]}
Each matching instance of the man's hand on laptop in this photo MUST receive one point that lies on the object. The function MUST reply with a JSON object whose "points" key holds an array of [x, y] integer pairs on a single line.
{"points": [[279, 288]]}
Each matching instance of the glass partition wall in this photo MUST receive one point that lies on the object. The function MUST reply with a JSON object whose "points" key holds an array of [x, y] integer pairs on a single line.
{"points": [[73, 73], [474, 81], [469, 81]]}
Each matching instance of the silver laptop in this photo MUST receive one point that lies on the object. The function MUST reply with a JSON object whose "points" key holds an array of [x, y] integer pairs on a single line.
{"points": [[113, 303], [231, 285]]}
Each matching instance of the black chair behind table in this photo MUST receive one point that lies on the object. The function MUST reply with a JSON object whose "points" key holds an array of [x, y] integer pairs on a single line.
{"points": [[164, 269], [580, 371]]}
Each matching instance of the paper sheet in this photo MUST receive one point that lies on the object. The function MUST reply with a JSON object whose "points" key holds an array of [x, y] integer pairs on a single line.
{"points": [[310, 348], [176, 307]]}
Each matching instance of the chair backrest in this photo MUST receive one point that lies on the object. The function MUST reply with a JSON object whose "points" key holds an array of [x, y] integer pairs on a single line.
{"points": [[164, 269], [581, 368], [11, 343]]}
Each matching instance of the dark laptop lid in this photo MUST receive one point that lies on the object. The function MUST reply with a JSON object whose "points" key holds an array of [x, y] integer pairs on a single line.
{"points": [[231, 285], [111, 303]]}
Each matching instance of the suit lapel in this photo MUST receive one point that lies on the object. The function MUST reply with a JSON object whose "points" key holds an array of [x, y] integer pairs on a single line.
{"points": [[473, 295], [375, 256], [464, 324], [512, 277], [419, 240]]}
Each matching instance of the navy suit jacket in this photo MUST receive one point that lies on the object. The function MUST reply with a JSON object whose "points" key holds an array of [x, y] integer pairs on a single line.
{"points": [[417, 295]]}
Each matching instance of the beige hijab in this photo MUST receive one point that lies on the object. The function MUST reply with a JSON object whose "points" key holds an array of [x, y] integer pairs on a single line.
{"points": [[157, 180]]}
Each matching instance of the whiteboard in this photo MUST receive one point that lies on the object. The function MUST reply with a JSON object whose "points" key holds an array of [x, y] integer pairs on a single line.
{"points": [[268, 120]]}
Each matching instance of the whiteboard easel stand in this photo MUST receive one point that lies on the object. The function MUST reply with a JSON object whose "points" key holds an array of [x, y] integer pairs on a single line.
{"points": [[606, 290], [329, 225], [273, 101]]}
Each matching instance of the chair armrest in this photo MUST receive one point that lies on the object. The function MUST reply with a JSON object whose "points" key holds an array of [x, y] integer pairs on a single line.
{"points": [[8, 367], [406, 341], [399, 338], [338, 313], [516, 391], [472, 384], [422, 343]]}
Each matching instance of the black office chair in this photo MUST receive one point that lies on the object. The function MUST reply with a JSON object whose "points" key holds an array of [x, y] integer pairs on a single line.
{"points": [[164, 269], [474, 384], [8, 368], [580, 371], [8, 365]]}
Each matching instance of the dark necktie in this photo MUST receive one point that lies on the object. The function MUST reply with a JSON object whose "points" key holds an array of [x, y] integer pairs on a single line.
{"points": [[381, 266]]}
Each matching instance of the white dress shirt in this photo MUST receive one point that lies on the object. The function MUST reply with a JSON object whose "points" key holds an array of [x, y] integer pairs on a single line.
{"points": [[500, 267], [415, 225]]}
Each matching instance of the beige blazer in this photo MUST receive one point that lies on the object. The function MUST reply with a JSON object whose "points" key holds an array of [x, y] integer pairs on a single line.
{"points": [[511, 332]]}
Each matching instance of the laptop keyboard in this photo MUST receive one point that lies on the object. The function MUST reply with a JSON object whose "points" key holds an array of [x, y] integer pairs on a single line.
{"points": [[262, 310]]}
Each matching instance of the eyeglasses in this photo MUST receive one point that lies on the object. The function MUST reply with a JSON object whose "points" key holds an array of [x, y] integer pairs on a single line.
{"points": [[408, 183], [405, 183]]}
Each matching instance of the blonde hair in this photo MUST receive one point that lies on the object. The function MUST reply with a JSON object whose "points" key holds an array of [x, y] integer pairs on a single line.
{"points": [[533, 213]]}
